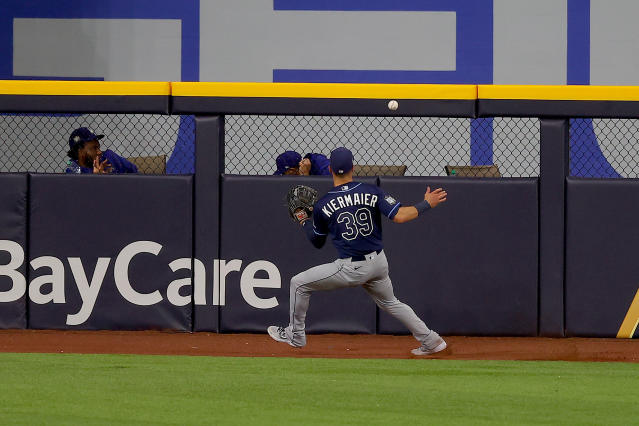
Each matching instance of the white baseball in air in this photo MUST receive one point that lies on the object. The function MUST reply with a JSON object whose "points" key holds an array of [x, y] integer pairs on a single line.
{"points": [[393, 105]]}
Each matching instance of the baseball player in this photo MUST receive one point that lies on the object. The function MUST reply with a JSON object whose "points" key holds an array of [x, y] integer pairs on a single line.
{"points": [[292, 163], [85, 155], [351, 214]]}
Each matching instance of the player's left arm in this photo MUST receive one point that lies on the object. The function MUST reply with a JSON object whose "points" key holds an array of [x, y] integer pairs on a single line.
{"points": [[315, 230], [431, 200]]}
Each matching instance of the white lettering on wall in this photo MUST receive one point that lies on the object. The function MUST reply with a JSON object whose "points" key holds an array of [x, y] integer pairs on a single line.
{"points": [[232, 266], [55, 278], [121, 273], [50, 287], [248, 283], [18, 282], [88, 291]]}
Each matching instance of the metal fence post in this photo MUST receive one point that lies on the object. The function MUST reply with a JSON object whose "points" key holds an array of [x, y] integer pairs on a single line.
{"points": [[554, 168]]}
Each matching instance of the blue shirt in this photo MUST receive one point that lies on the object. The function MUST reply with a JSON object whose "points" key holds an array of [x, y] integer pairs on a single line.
{"points": [[319, 164], [352, 215], [118, 164]]}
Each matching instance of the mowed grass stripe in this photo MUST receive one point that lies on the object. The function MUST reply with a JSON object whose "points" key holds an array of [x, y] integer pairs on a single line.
{"points": [[133, 389]]}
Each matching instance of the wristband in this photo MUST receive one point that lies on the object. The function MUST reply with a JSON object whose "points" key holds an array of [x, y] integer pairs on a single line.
{"points": [[422, 206], [301, 215]]}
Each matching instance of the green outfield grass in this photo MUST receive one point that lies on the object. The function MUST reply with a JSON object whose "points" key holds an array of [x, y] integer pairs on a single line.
{"points": [[117, 389]]}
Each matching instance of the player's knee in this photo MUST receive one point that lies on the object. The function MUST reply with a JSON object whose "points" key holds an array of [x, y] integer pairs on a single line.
{"points": [[297, 281]]}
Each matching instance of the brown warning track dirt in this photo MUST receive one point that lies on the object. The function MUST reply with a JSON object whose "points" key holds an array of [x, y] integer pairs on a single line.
{"points": [[319, 346]]}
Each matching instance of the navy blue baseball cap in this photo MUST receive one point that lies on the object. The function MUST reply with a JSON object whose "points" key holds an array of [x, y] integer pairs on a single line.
{"points": [[82, 134], [341, 161], [286, 160]]}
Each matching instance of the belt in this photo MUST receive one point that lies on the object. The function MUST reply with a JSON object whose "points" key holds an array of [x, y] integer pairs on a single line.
{"points": [[368, 256]]}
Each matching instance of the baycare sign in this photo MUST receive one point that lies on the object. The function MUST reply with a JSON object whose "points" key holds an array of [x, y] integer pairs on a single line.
{"points": [[50, 288]]}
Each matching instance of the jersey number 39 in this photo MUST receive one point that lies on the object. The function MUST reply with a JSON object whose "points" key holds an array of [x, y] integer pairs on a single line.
{"points": [[360, 223]]}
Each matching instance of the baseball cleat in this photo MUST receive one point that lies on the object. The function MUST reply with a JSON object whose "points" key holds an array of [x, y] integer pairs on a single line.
{"points": [[279, 334], [440, 345]]}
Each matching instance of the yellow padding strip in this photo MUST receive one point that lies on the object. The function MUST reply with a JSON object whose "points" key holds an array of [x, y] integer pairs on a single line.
{"points": [[629, 324], [326, 90], [321, 90], [45, 87], [560, 93]]}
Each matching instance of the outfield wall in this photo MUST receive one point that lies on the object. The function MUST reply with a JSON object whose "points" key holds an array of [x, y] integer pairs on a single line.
{"points": [[123, 260], [215, 252]]}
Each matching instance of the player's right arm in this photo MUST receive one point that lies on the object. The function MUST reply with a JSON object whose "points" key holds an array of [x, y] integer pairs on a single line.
{"points": [[431, 200]]}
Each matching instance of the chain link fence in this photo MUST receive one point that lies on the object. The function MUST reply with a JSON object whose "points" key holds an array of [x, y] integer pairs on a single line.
{"points": [[157, 144], [604, 148], [412, 146]]}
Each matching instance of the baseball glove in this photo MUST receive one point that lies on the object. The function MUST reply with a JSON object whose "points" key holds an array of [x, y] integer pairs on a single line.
{"points": [[300, 200]]}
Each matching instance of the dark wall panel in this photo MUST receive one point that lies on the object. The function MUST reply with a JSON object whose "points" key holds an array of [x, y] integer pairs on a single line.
{"points": [[602, 270], [256, 226], [13, 228], [152, 104], [322, 106], [469, 266], [209, 165], [554, 158], [556, 108], [90, 217]]}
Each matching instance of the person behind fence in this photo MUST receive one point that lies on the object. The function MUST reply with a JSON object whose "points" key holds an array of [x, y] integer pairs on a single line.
{"points": [[85, 155], [292, 163]]}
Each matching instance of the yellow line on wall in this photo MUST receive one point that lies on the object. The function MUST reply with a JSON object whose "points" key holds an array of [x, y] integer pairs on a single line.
{"points": [[559, 93], [326, 90], [86, 88], [629, 324], [321, 90]]}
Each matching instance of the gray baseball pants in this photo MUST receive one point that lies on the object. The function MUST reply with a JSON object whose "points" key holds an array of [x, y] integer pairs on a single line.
{"points": [[371, 274]]}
